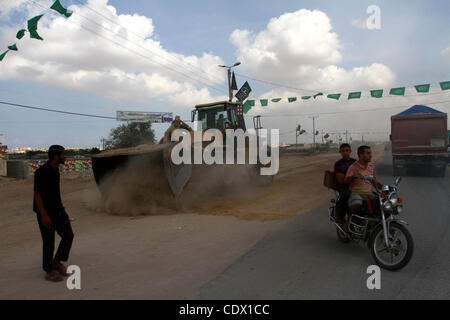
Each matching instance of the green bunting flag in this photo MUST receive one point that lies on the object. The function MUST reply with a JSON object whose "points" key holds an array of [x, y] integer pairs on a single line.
{"points": [[318, 94], [33, 22], [276, 100], [57, 6], [264, 102], [3, 55], [397, 91], [422, 88], [13, 47], [306, 97], [335, 96], [248, 105], [292, 99], [445, 85], [354, 95], [20, 33], [32, 27], [35, 35], [376, 93]]}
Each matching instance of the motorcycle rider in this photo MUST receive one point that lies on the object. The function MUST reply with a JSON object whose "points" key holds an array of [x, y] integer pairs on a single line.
{"points": [[340, 170], [361, 189]]}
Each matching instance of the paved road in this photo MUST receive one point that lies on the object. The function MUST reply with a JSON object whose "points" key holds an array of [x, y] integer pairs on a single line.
{"points": [[304, 259]]}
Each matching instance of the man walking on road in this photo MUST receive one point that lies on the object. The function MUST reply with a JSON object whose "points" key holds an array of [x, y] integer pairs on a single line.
{"points": [[51, 215]]}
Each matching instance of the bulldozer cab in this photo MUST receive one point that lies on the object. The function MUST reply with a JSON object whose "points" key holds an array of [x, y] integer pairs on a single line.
{"points": [[219, 115]]}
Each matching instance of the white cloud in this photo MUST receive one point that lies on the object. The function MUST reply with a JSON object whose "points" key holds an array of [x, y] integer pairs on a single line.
{"points": [[301, 50], [137, 69], [360, 24], [446, 53]]}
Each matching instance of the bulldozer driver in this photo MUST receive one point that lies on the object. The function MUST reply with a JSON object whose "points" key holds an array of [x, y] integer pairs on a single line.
{"points": [[177, 123]]}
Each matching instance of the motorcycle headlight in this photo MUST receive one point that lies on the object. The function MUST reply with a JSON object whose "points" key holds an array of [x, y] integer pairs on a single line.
{"points": [[387, 207], [393, 201], [398, 209]]}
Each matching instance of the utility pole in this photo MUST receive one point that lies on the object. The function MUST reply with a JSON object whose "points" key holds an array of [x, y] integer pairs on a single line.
{"points": [[230, 90], [296, 136], [346, 136], [314, 131]]}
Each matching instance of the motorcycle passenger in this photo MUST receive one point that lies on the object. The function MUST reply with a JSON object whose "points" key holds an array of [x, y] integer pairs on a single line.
{"points": [[340, 170], [361, 189]]}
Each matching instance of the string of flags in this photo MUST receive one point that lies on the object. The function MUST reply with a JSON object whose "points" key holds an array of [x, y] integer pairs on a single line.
{"points": [[400, 91], [32, 26]]}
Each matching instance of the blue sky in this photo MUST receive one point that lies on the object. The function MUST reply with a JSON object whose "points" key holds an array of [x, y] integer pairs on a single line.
{"points": [[409, 44]]}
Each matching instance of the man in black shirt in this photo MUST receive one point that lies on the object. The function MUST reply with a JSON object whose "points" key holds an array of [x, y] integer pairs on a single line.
{"points": [[51, 215], [340, 169]]}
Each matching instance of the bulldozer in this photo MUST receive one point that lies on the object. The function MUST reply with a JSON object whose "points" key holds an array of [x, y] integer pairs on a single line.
{"points": [[173, 178]]}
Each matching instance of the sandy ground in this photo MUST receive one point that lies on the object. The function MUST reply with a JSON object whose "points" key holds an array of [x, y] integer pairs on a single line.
{"points": [[158, 256]]}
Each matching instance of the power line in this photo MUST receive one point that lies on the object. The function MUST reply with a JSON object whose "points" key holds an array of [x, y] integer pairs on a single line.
{"points": [[338, 112], [275, 84], [56, 111]]}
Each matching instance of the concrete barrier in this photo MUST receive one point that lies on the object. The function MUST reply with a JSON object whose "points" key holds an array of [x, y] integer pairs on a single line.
{"points": [[18, 169]]}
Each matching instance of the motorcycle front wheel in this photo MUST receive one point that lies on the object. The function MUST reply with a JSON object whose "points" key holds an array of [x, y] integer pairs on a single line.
{"points": [[400, 251]]}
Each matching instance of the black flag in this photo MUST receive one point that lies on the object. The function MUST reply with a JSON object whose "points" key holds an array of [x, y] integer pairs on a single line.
{"points": [[244, 92], [233, 82]]}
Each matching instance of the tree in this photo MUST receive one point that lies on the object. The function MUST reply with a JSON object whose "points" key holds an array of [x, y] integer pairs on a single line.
{"points": [[130, 134]]}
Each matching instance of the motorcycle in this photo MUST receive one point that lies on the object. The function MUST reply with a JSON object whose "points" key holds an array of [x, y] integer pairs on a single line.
{"points": [[390, 243]]}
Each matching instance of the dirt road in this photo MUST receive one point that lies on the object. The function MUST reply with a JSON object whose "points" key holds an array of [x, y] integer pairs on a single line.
{"points": [[155, 256]]}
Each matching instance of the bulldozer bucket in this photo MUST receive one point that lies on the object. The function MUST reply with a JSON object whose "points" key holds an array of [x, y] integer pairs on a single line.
{"points": [[153, 161]]}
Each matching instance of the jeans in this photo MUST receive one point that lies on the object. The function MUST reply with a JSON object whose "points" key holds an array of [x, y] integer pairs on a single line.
{"points": [[341, 205], [60, 224]]}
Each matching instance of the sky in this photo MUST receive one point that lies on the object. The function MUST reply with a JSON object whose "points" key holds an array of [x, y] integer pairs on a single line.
{"points": [[163, 56]]}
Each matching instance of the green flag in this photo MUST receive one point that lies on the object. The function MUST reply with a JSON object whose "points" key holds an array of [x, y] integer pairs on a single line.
{"points": [[33, 22], [276, 100], [335, 96], [3, 55], [13, 47], [445, 85], [376, 93], [398, 91], [32, 27], [354, 95], [306, 97], [318, 94], [248, 105], [264, 102], [422, 88], [20, 33], [292, 99], [35, 35], [59, 8], [233, 82]]}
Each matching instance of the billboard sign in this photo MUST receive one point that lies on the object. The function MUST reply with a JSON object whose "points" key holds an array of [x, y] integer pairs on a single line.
{"points": [[141, 116]]}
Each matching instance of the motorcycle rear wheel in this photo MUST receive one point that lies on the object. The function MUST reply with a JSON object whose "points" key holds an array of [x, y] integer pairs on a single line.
{"points": [[402, 250]]}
